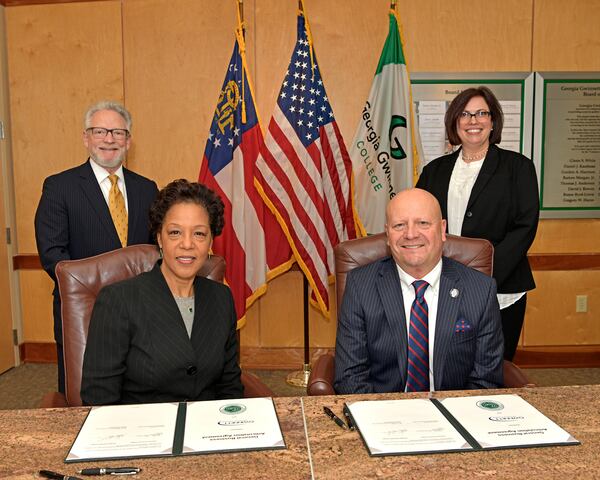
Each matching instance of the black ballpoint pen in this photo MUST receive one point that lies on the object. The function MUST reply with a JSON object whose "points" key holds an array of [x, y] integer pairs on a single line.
{"points": [[335, 418], [57, 476], [110, 471], [348, 417]]}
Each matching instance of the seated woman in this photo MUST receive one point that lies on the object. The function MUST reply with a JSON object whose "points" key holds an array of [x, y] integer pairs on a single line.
{"points": [[167, 335]]}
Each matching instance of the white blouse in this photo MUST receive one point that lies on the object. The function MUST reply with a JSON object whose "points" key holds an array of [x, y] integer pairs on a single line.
{"points": [[462, 180], [461, 183]]}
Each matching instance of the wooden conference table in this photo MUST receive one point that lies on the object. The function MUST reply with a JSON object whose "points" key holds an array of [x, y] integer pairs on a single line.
{"points": [[31, 440]]}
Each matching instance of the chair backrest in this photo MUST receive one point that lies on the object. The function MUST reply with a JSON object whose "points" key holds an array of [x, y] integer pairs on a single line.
{"points": [[79, 282], [476, 253]]}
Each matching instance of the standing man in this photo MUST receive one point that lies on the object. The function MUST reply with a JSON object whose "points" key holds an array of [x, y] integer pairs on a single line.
{"points": [[93, 208], [417, 321]]}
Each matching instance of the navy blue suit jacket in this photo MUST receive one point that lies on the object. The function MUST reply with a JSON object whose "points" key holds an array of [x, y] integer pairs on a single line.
{"points": [[371, 345], [73, 221], [138, 349]]}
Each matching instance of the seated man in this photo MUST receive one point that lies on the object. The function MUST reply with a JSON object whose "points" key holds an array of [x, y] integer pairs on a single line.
{"points": [[417, 321]]}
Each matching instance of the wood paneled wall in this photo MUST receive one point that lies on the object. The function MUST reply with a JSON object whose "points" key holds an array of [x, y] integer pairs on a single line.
{"points": [[61, 58], [166, 60], [565, 38], [7, 357], [465, 36]]}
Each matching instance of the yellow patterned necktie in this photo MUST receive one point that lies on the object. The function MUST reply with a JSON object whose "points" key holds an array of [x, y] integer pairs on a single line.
{"points": [[118, 212]]}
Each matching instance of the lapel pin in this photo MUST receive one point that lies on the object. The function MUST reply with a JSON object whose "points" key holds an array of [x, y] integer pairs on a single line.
{"points": [[454, 293]]}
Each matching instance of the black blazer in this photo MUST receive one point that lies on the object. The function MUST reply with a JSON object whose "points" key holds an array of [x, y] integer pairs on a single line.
{"points": [[372, 342], [138, 350], [503, 208], [73, 220]]}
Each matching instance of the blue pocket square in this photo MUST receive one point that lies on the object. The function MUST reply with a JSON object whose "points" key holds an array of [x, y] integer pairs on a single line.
{"points": [[462, 326]]}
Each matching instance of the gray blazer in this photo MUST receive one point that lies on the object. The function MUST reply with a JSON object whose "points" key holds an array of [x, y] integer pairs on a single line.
{"points": [[371, 344]]}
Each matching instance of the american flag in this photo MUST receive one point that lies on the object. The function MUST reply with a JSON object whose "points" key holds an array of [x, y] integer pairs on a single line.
{"points": [[305, 172], [252, 241]]}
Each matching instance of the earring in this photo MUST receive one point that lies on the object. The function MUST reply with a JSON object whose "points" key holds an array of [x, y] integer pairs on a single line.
{"points": [[160, 252]]}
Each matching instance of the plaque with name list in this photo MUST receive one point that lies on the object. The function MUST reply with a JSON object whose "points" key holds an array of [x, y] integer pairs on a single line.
{"points": [[567, 144], [433, 92]]}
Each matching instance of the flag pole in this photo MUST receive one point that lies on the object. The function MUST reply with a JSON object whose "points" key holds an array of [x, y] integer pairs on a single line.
{"points": [[241, 34], [240, 7], [299, 378]]}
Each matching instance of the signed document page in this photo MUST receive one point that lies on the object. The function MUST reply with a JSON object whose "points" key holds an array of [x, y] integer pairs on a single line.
{"points": [[394, 427], [500, 421], [232, 425], [126, 431]]}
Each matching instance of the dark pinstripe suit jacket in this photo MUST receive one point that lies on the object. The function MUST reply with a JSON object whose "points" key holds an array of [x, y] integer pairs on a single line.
{"points": [[73, 221], [371, 345], [138, 350]]}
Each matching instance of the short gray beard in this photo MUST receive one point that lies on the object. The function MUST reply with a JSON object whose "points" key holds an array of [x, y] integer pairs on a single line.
{"points": [[116, 163]]}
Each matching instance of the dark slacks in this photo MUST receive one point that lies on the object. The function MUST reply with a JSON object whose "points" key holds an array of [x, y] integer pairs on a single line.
{"points": [[512, 323], [59, 343]]}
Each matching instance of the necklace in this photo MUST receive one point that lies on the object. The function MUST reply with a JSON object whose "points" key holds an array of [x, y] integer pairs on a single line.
{"points": [[185, 303], [476, 156]]}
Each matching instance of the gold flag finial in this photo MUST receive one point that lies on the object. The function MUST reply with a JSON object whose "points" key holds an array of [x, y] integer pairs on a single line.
{"points": [[240, 11], [309, 37], [240, 34]]}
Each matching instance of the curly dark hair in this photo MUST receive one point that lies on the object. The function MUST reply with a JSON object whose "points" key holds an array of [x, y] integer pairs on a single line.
{"points": [[458, 105], [182, 191]]}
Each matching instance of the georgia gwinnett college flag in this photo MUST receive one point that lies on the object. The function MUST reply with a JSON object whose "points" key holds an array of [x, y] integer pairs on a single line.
{"points": [[305, 173], [386, 144], [252, 242]]}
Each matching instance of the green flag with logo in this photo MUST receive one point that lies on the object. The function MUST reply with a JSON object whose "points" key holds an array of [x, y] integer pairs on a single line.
{"points": [[386, 144]]}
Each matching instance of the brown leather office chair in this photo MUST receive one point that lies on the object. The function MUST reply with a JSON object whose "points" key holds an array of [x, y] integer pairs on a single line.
{"points": [[79, 282], [473, 252]]}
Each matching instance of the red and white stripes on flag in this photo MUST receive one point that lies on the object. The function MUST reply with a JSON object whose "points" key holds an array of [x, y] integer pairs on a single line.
{"points": [[305, 172], [253, 244]]}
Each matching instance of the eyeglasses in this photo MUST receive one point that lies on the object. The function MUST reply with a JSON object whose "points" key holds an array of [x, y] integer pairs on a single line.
{"points": [[99, 133], [479, 115]]}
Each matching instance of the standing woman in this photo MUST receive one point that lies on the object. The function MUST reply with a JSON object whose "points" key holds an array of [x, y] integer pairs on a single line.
{"points": [[167, 335], [487, 192]]}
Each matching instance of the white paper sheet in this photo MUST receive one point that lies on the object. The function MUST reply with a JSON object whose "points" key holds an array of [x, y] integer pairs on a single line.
{"points": [[505, 421], [126, 430], [226, 425], [405, 426]]}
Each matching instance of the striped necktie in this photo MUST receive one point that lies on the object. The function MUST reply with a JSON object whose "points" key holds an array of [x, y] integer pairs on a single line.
{"points": [[417, 379], [118, 212]]}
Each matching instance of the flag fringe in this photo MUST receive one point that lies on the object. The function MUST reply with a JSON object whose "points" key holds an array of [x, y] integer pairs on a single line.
{"points": [[285, 266], [305, 270]]}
